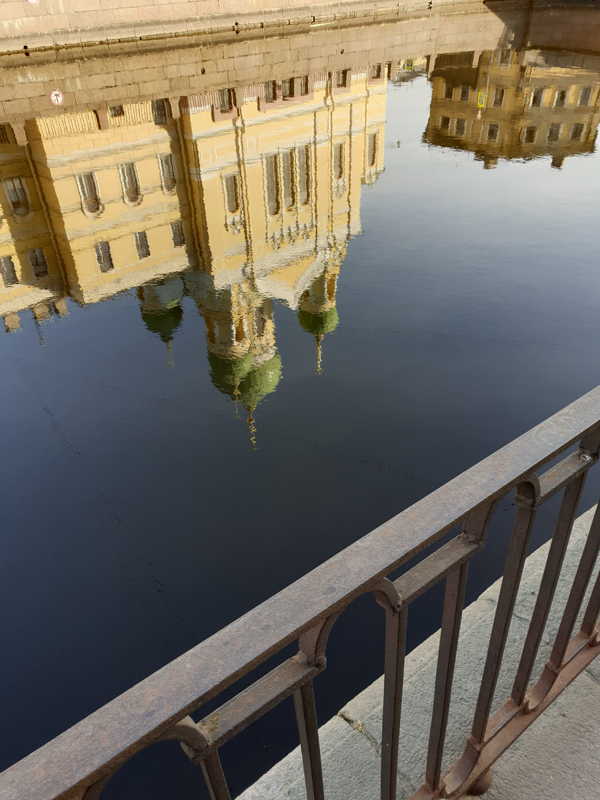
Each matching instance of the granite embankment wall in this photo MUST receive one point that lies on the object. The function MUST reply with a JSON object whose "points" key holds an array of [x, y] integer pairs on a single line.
{"points": [[32, 24], [131, 72], [95, 76]]}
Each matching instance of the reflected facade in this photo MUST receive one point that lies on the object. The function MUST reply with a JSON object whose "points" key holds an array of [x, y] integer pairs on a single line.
{"points": [[238, 198], [510, 104]]}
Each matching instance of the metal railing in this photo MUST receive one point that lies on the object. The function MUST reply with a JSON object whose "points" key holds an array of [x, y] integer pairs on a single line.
{"points": [[78, 763]]}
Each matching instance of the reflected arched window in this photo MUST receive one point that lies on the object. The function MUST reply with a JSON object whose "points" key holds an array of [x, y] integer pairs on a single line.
{"points": [[287, 164], [104, 257], [372, 150], [331, 287], [272, 180], [240, 333], [7, 271], [338, 161], [16, 191], [259, 322], [232, 193], [167, 173], [302, 166], [160, 112], [38, 262], [130, 183], [88, 190]]}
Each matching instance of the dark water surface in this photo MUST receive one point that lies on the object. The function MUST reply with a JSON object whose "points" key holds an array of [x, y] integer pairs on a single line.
{"points": [[368, 301]]}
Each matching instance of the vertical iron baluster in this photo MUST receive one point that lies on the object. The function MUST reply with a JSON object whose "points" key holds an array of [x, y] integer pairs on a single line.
{"points": [[558, 548], [214, 777], [395, 649], [453, 606], [590, 618], [513, 569], [569, 617], [306, 717], [526, 499]]}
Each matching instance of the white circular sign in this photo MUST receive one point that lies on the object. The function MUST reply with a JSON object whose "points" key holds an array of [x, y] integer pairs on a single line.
{"points": [[56, 97], [33, 2]]}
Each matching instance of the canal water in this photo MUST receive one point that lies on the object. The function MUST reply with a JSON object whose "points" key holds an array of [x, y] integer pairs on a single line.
{"points": [[244, 327]]}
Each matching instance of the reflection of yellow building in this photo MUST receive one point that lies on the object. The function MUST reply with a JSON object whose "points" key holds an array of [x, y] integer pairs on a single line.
{"points": [[29, 271], [515, 104], [256, 189], [114, 189]]}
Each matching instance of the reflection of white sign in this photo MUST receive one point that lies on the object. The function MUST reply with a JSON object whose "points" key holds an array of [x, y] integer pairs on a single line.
{"points": [[56, 97]]}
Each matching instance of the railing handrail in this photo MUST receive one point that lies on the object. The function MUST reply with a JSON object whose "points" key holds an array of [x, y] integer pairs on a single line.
{"points": [[106, 738]]}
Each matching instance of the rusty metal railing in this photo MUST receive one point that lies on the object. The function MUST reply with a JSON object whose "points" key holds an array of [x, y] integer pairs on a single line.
{"points": [[78, 763]]}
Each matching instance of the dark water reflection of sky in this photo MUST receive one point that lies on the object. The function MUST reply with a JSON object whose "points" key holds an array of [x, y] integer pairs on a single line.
{"points": [[137, 517]]}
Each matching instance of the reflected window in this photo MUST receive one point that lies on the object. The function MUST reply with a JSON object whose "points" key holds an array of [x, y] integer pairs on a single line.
{"points": [[331, 284], [448, 91], [38, 262], [561, 98], [141, 244], [375, 71], [240, 332], [287, 165], [104, 257], [460, 127], [304, 84], [18, 197], [372, 150], [177, 233], [303, 167], [226, 100], [130, 182], [537, 98], [160, 112], [465, 93], [554, 132], [88, 191], [270, 91], [287, 88], [445, 123], [341, 78], [499, 97], [272, 181], [492, 133], [116, 111], [338, 161], [576, 131], [529, 135], [232, 193], [7, 271], [259, 322], [585, 95], [504, 58], [167, 172]]}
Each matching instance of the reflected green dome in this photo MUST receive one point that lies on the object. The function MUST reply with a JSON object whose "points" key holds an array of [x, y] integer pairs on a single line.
{"points": [[252, 383], [163, 323], [226, 373], [319, 324], [260, 381]]}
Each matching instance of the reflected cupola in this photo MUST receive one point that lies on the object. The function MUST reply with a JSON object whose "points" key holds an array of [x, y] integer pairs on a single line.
{"points": [[318, 313], [240, 332], [160, 305]]}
